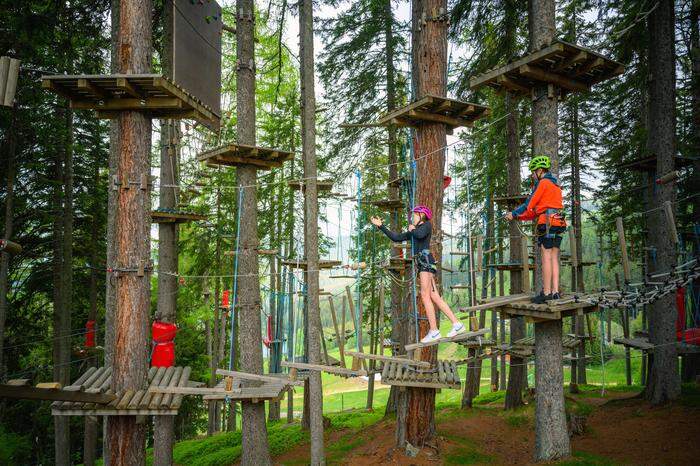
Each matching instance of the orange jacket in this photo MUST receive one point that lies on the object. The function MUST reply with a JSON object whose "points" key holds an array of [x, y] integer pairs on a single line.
{"points": [[546, 195]]}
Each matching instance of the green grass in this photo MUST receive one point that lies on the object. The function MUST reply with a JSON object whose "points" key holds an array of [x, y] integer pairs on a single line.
{"points": [[517, 420], [466, 453], [690, 395]]}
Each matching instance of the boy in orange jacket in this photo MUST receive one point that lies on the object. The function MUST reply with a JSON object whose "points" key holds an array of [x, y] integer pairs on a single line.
{"points": [[545, 205]]}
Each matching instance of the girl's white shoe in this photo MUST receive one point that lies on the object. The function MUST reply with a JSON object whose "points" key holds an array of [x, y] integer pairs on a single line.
{"points": [[431, 336], [456, 330]]}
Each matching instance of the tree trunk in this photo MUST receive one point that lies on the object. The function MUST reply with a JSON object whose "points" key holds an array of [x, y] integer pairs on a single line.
{"points": [[11, 145], [518, 370], [396, 290], [164, 429], [253, 427], [551, 436], [127, 437], [430, 66], [308, 132], [664, 382]]}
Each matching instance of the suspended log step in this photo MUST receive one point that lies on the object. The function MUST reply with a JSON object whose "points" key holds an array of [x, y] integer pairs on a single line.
{"points": [[648, 164], [301, 263], [268, 378], [434, 109], [495, 302], [341, 371], [462, 338], [268, 391], [444, 375], [241, 155], [127, 402], [570, 67], [163, 216], [20, 389], [640, 343], [389, 359], [110, 95]]}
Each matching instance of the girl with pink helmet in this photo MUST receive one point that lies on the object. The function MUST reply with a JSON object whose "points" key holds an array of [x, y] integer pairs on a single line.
{"points": [[419, 233]]}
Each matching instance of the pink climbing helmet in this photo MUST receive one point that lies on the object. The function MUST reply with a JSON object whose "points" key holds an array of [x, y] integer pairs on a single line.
{"points": [[421, 209]]}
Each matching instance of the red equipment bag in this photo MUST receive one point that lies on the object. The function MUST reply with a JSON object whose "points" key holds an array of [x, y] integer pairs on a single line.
{"points": [[90, 334], [225, 299], [163, 334]]}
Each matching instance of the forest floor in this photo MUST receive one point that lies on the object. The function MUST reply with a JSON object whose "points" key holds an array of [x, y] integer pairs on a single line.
{"points": [[621, 429]]}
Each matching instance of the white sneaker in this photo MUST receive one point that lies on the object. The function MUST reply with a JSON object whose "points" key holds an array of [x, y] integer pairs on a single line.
{"points": [[456, 330], [431, 336]]}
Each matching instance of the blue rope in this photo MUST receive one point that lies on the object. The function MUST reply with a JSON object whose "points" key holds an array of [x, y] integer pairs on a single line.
{"points": [[234, 297]]}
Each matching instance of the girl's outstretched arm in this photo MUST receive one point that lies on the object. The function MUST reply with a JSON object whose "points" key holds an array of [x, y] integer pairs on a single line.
{"points": [[396, 237]]}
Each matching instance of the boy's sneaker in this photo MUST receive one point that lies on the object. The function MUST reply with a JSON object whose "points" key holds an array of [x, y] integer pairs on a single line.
{"points": [[539, 299], [431, 336], [552, 296], [456, 330]]}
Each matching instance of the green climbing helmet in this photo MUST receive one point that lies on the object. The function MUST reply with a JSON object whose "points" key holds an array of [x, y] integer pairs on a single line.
{"points": [[539, 161]]}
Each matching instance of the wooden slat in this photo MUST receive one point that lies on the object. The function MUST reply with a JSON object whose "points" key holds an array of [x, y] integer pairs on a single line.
{"points": [[454, 339], [50, 394], [258, 377], [321, 368], [377, 357], [553, 78]]}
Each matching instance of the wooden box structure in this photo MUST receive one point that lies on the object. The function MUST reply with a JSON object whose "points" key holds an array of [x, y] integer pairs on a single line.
{"points": [[152, 94], [445, 375], [552, 310], [128, 402], [160, 216], [433, 109], [525, 347], [570, 67], [237, 155]]}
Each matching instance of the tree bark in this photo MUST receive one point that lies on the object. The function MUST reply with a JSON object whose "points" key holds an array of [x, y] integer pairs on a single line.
{"points": [[551, 436], [430, 76], [518, 370], [10, 154], [253, 427], [664, 381], [308, 132], [126, 437]]}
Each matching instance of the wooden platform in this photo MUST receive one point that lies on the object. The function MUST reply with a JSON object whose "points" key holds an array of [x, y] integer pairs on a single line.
{"points": [[510, 202], [238, 155], [159, 216], [128, 402], [648, 164], [301, 264], [152, 94], [552, 310], [389, 359], [445, 375], [466, 338], [434, 109], [389, 205], [20, 389], [567, 66], [322, 186]]}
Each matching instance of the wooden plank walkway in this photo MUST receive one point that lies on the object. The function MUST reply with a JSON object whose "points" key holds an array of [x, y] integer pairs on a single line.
{"points": [[378, 357], [463, 338], [445, 375], [127, 402], [341, 371]]}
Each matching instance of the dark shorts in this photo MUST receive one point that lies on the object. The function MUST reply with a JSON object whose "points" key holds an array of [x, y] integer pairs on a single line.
{"points": [[554, 239], [426, 263]]}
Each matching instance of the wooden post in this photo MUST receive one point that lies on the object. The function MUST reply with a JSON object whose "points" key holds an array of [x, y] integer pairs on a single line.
{"points": [[254, 439], [670, 219], [551, 435], [623, 249], [126, 438], [340, 339]]}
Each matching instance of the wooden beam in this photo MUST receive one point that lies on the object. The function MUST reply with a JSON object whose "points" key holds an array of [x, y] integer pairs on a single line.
{"points": [[512, 84], [56, 88], [125, 86], [539, 74], [437, 118], [51, 394], [257, 377], [571, 61], [339, 340], [323, 368], [671, 221], [454, 339], [149, 103], [85, 85], [623, 249], [591, 65]]}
